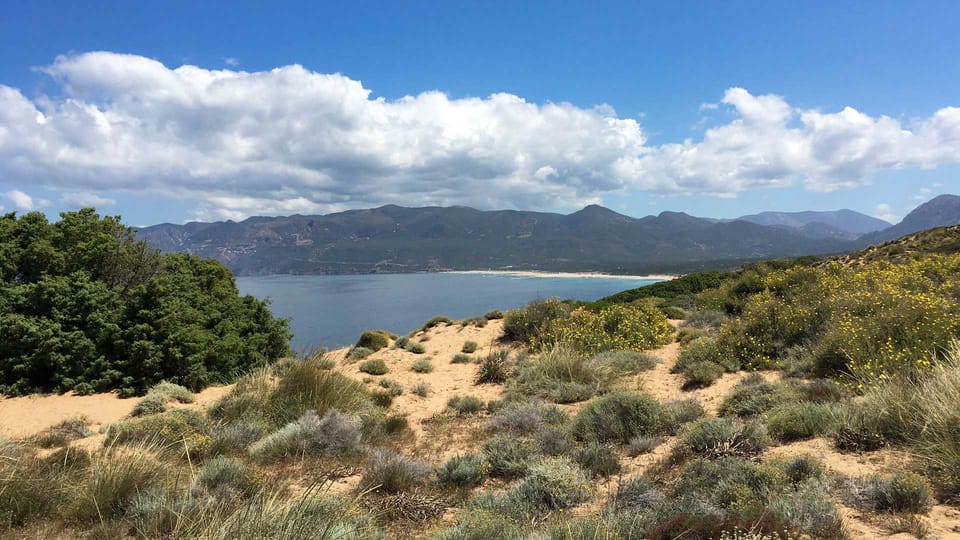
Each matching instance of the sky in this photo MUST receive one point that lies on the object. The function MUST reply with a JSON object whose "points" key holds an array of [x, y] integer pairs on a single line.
{"points": [[183, 111]]}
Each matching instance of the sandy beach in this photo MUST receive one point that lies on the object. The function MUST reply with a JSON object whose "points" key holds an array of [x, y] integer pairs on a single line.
{"points": [[533, 273]]}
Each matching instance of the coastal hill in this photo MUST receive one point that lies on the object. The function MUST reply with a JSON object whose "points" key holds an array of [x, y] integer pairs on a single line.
{"points": [[397, 239]]}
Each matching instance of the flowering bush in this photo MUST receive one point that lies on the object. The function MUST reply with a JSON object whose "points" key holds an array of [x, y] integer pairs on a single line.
{"points": [[617, 327]]}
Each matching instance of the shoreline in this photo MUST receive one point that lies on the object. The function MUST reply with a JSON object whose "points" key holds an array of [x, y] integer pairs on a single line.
{"points": [[536, 274]]}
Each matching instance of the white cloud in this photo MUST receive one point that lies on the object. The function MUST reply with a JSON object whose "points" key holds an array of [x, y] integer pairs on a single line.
{"points": [[884, 212], [83, 199], [233, 143], [231, 61], [21, 200]]}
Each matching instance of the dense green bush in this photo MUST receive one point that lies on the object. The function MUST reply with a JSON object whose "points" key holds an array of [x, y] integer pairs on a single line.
{"points": [[415, 347], [721, 437], [599, 460], [374, 340], [509, 456], [754, 395], [531, 323], [465, 404], [464, 471], [84, 306], [374, 367], [899, 492], [618, 417], [227, 479], [701, 375], [469, 347], [423, 365], [794, 421]]}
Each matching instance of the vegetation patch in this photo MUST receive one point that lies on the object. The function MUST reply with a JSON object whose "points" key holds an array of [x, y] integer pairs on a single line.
{"points": [[374, 367], [618, 417]]}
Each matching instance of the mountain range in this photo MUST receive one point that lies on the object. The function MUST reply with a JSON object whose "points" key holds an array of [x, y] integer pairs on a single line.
{"points": [[397, 239]]}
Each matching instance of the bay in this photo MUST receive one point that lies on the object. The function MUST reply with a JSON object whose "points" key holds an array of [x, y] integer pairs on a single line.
{"points": [[332, 311]]}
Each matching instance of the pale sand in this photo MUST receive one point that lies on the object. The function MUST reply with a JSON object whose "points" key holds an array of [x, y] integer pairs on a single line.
{"points": [[531, 273], [25, 416]]}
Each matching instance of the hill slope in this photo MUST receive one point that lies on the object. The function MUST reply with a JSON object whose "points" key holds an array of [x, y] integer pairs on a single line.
{"points": [[941, 211], [842, 221], [397, 239]]}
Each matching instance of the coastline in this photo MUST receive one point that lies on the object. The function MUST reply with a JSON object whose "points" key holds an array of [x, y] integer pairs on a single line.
{"points": [[536, 274]]}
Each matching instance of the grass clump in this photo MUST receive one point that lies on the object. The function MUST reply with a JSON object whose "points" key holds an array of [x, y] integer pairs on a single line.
{"points": [[482, 525], [307, 386], [801, 468], [149, 404], [374, 367], [618, 417], [465, 471], [382, 399], [509, 456], [61, 433], [795, 421], [551, 484], [436, 321], [701, 375], [899, 492], [494, 314], [374, 340], [227, 479], [563, 375], [415, 347], [359, 353], [392, 387], [493, 368], [598, 460], [680, 412], [469, 347], [421, 389], [643, 444], [526, 417], [333, 434], [625, 362], [754, 396], [389, 472], [461, 359], [465, 404], [115, 479], [715, 438], [180, 431], [157, 398], [423, 365]]}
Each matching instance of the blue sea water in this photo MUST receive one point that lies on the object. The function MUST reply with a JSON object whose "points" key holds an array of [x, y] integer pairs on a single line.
{"points": [[331, 311]]}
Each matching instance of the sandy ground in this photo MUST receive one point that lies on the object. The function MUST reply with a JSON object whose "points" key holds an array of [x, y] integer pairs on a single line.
{"points": [[439, 435], [25, 416]]}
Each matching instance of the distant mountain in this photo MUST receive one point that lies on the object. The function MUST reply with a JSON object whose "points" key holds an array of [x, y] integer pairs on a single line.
{"points": [[834, 224], [397, 239], [941, 211]]}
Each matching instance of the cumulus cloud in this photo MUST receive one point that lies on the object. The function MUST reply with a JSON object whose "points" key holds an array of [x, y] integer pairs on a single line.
{"points": [[234, 143], [20, 200], [83, 199], [885, 212]]}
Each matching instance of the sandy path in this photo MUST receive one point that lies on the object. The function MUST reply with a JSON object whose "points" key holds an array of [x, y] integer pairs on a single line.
{"points": [[27, 415], [446, 380]]}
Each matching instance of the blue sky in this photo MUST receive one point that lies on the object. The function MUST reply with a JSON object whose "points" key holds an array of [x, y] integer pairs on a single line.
{"points": [[714, 108]]}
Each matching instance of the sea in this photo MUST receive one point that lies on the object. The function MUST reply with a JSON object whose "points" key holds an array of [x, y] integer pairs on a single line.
{"points": [[332, 311]]}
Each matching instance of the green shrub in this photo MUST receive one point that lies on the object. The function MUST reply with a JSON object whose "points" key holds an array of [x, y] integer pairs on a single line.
{"points": [[643, 444], [436, 321], [618, 417], [61, 433], [704, 349], [173, 392], [823, 391], [389, 472], [401, 342], [900, 492], [88, 307], [801, 468], [393, 387], [180, 431], [374, 367], [307, 386], [701, 375], [249, 399], [493, 368], [373, 340], [469, 347], [465, 404], [809, 512], [464, 471], [680, 412], [461, 359], [599, 460], [333, 434], [482, 525], [509, 456], [393, 425], [531, 323], [382, 399], [553, 483], [415, 347], [688, 334], [634, 496], [234, 438], [791, 422], [673, 312], [526, 417], [28, 489], [227, 479], [720, 437], [421, 389], [493, 315], [423, 365], [615, 327], [554, 442], [150, 404], [359, 353], [754, 395]]}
